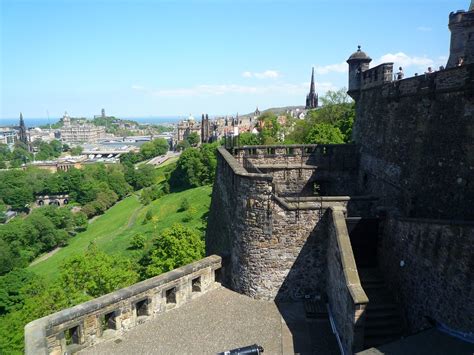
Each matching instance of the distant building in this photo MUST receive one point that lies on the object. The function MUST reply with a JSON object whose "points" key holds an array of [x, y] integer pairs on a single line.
{"points": [[312, 97], [188, 126], [80, 132], [8, 136]]}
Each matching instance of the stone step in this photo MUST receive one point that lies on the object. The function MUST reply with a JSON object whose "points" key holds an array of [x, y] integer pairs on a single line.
{"points": [[388, 329], [382, 322]]}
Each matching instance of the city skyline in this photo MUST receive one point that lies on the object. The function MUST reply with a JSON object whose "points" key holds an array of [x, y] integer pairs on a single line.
{"points": [[158, 58]]}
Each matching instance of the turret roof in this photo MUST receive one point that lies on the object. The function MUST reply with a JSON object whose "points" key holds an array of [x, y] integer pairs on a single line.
{"points": [[359, 55]]}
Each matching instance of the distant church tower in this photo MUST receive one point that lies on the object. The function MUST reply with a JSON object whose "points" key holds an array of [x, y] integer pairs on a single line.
{"points": [[312, 97], [23, 135]]}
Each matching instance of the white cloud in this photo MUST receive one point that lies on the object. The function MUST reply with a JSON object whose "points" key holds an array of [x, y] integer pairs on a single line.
{"points": [[223, 89], [331, 68], [267, 74], [423, 29], [404, 60], [137, 87]]}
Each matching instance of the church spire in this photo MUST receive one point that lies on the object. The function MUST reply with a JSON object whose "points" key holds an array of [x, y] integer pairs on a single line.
{"points": [[312, 97]]}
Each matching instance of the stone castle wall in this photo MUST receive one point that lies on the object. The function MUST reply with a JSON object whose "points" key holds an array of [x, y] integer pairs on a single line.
{"points": [[435, 279], [270, 249], [416, 139]]}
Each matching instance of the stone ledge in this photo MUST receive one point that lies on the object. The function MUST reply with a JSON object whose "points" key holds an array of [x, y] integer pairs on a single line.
{"points": [[238, 169], [347, 257]]}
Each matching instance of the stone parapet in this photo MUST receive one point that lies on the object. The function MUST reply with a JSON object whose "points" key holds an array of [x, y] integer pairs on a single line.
{"points": [[110, 315], [346, 297]]}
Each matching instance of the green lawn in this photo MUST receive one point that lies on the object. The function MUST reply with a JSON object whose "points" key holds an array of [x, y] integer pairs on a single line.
{"points": [[112, 230]]}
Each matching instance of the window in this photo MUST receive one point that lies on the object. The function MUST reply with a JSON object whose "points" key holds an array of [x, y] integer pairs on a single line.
{"points": [[141, 308], [196, 284], [171, 296]]}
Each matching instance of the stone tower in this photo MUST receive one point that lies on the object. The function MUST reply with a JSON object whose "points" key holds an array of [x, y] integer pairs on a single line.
{"points": [[102, 114], [461, 25], [205, 129], [23, 135], [358, 62], [312, 97]]}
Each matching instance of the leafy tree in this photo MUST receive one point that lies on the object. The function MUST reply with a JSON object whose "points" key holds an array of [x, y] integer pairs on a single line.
{"points": [[11, 297], [184, 205], [183, 145], [137, 242], [116, 181], [270, 129], [6, 259], [324, 133], [76, 150], [80, 221], [145, 176], [248, 138], [95, 273], [174, 247], [195, 167], [193, 139]]}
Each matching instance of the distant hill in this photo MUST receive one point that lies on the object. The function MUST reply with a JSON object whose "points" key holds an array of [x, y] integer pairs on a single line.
{"points": [[276, 110]]}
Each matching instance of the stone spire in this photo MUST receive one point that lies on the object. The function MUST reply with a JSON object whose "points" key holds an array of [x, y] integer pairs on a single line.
{"points": [[471, 7], [22, 133], [312, 97], [311, 88]]}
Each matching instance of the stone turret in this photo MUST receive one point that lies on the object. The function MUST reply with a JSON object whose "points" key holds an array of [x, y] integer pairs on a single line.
{"points": [[461, 25], [358, 62]]}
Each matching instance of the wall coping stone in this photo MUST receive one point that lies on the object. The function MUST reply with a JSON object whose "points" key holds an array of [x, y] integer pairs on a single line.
{"points": [[238, 169], [308, 202], [347, 256]]}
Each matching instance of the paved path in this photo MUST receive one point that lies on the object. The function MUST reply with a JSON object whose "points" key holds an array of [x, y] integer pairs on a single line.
{"points": [[45, 256], [217, 321]]}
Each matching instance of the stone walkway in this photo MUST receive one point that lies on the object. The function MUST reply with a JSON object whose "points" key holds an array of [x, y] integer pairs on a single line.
{"points": [[222, 320]]}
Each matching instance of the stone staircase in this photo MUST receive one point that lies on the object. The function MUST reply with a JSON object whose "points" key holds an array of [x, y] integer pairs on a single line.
{"points": [[383, 322]]}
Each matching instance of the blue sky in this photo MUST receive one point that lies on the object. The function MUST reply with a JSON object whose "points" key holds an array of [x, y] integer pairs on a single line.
{"points": [[150, 58]]}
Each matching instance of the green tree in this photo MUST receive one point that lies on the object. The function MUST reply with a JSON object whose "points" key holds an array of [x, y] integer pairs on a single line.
{"points": [[137, 242], [95, 273], [270, 129], [11, 296], [248, 138], [174, 247], [145, 176], [77, 150], [324, 133], [193, 139]]}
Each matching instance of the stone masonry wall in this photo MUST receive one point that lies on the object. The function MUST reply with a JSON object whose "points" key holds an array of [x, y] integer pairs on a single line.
{"points": [[437, 278], [416, 139], [270, 251]]}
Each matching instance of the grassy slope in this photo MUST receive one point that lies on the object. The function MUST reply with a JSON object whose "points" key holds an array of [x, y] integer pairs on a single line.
{"points": [[112, 231]]}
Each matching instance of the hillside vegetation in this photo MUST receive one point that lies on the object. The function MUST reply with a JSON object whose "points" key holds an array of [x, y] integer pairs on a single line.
{"points": [[112, 231]]}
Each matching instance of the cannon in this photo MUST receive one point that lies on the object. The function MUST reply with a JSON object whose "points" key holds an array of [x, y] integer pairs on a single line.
{"points": [[246, 350]]}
